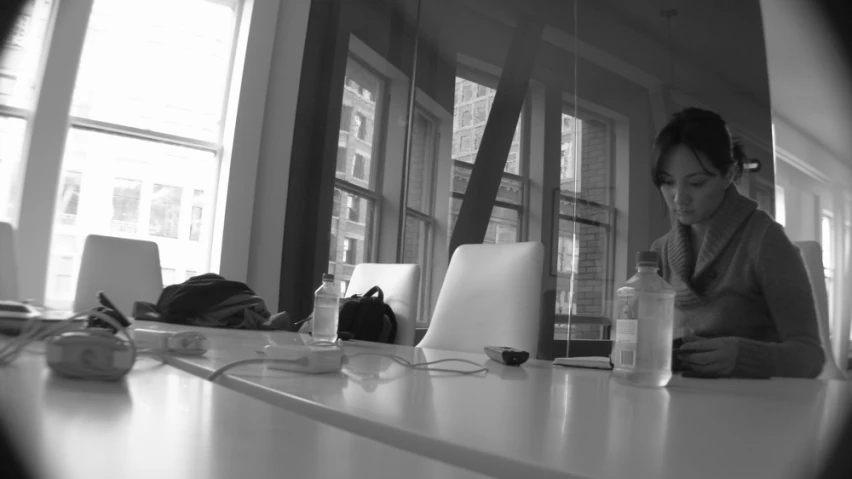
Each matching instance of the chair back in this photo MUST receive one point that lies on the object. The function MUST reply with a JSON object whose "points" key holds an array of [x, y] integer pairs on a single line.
{"points": [[126, 270], [400, 284], [8, 264], [491, 296], [812, 256]]}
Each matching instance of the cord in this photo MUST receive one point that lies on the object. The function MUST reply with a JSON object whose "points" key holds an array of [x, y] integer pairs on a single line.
{"points": [[30, 332], [423, 366], [397, 359]]}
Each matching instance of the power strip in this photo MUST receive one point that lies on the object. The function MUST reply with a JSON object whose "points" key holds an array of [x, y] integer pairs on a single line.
{"points": [[187, 343], [306, 359]]}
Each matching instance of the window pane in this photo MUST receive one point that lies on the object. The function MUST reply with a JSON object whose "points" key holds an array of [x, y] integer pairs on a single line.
{"points": [[362, 93], [351, 235], [591, 178], [168, 276], [21, 55], [126, 198], [828, 242], [510, 190], [502, 228], [157, 64], [12, 132], [469, 120], [422, 161], [780, 206], [415, 250], [120, 182], [195, 226]]}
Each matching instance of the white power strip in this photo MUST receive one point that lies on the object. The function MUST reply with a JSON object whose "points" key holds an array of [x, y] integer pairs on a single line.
{"points": [[306, 359]]}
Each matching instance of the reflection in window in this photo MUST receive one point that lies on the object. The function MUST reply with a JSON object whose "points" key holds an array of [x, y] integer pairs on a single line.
{"points": [[165, 211], [69, 197], [341, 159], [332, 247], [126, 197], [335, 208], [346, 118]]}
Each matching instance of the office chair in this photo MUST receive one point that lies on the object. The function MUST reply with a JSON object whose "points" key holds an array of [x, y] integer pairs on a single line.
{"points": [[812, 255], [400, 284], [126, 270], [491, 296], [8, 264]]}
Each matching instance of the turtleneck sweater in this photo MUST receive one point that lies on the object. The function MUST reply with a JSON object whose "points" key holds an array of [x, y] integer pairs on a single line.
{"points": [[748, 282]]}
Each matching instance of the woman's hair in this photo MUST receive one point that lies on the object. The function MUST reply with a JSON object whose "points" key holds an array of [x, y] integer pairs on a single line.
{"points": [[702, 131]]}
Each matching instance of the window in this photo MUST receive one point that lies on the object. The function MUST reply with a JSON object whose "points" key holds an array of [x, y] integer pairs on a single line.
{"points": [[480, 112], [584, 226], [419, 218], [168, 276], [780, 206], [19, 65], [353, 207], [361, 126], [356, 187], [350, 250], [505, 223], [190, 274], [341, 159], [828, 258], [69, 198], [148, 109], [165, 211], [358, 166], [346, 118], [344, 285], [196, 224], [126, 197], [481, 91], [467, 91], [332, 248]]}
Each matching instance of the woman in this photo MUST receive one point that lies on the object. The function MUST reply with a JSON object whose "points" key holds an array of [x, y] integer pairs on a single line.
{"points": [[744, 302]]}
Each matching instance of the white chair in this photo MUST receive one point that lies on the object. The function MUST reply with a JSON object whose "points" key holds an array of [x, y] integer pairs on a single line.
{"points": [[812, 255], [126, 270], [8, 264], [491, 296], [400, 284]]}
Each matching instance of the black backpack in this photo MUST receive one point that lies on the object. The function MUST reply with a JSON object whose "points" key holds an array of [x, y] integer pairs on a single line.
{"points": [[367, 318]]}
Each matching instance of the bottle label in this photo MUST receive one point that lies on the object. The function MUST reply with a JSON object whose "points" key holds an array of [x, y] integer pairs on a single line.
{"points": [[626, 335]]}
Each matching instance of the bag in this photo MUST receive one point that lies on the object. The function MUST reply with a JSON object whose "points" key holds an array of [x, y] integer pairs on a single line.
{"points": [[367, 317]]}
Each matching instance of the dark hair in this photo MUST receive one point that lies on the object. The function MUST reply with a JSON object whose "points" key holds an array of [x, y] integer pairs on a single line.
{"points": [[702, 131]]}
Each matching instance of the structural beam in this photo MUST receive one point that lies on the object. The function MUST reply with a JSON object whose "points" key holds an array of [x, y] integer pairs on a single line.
{"points": [[487, 172]]}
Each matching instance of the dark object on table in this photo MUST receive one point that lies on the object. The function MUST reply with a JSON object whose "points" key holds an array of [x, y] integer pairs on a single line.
{"points": [[213, 301], [506, 355]]}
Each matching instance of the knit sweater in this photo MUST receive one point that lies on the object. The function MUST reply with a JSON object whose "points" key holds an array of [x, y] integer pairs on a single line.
{"points": [[749, 282]]}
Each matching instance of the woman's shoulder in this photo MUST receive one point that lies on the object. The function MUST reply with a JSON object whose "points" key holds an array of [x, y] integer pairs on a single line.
{"points": [[762, 228]]}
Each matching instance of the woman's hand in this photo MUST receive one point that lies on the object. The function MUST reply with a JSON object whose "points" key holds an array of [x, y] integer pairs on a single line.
{"points": [[708, 357]]}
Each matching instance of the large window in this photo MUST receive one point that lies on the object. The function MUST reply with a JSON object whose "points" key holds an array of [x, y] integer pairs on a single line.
{"points": [[505, 224], [356, 191], [583, 257], [19, 65], [146, 129]]}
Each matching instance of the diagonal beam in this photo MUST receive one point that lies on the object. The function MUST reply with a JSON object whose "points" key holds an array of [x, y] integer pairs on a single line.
{"points": [[475, 211]]}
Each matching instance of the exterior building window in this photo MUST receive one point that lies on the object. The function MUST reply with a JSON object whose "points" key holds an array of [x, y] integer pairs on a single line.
{"points": [[197, 215], [480, 112], [168, 276], [353, 206], [165, 211], [70, 197], [466, 118], [126, 199], [350, 250], [361, 126], [358, 166]]}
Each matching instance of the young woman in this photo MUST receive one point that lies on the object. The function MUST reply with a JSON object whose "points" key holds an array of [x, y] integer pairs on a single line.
{"points": [[744, 305]]}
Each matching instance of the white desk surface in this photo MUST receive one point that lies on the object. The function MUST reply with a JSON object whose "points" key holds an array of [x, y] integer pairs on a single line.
{"points": [[164, 423], [540, 420]]}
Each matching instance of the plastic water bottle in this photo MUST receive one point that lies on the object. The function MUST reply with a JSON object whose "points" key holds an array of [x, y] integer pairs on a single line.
{"points": [[326, 309], [642, 351]]}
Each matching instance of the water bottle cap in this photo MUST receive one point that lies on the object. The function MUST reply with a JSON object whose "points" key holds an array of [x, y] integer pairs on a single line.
{"points": [[327, 277], [650, 258]]}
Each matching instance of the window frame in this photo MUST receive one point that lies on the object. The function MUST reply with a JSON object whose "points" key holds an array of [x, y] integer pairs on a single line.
{"points": [[50, 122]]}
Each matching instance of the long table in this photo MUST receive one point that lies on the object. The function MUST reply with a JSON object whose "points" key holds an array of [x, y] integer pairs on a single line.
{"points": [[540, 420], [161, 422]]}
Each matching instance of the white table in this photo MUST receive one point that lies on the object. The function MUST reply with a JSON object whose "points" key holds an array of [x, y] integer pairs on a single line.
{"points": [[164, 423], [541, 420]]}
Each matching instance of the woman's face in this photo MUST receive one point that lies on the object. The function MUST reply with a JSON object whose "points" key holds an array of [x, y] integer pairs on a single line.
{"points": [[692, 187]]}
